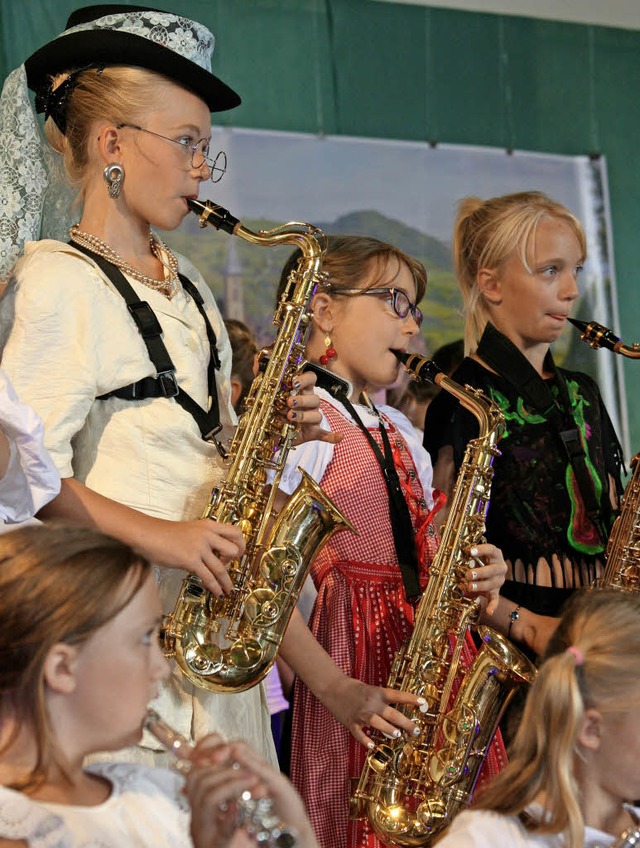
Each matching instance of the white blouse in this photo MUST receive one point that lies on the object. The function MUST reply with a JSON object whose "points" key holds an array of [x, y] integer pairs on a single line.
{"points": [[146, 809], [314, 457], [67, 337], [31, 479], [486, 829]]}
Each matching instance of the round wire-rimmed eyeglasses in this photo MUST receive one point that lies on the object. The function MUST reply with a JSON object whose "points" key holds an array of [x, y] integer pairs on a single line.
{"points": [[199, 152], [398, 299]]}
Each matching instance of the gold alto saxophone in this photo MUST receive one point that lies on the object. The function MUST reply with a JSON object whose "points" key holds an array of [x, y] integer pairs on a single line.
{"points": [[622, 554], [228, 644], [409, 789]]}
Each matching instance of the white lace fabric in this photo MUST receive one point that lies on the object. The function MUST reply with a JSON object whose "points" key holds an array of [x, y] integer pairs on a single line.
{"points": [[182, 35], [146, 809], [23, 172]]}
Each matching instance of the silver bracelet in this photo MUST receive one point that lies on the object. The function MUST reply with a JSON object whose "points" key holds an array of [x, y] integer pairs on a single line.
{"points": [[514, 615]]}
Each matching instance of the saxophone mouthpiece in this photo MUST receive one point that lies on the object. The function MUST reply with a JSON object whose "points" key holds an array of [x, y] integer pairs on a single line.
{"points": [[217, 216], [420, 367], [579, 325], [596, 335]]}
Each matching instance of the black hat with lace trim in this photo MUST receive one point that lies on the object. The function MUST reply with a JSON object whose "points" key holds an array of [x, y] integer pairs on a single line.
{"points": [[116, 34]]}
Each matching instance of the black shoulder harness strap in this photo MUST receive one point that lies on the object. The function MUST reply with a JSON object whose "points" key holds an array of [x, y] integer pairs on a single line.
{"points": [[164, 384], [504, 357]]}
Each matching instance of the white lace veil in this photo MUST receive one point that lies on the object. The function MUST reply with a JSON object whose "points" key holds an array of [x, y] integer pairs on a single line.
{"points": [[36, 201], [24, 178]]}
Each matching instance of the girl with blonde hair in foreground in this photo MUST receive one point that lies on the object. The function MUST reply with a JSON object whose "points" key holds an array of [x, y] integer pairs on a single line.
{"points": [[574, 765], [80, 660]]}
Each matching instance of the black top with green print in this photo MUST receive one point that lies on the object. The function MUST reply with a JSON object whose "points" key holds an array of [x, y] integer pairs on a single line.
{"points": [[536, 509]]}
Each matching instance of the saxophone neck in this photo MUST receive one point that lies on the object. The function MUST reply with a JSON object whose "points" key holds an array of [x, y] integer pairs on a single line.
{"points": [[489, 416], [311, 240]]}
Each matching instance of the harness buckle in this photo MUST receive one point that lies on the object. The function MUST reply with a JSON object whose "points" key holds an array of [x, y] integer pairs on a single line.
{"points": [[168, 384]]}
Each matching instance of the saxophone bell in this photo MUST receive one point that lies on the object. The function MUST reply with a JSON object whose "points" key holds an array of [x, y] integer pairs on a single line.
{"points": [[596, 335]]}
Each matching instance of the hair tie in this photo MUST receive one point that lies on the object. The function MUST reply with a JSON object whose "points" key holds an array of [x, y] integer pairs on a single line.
{"points": [[576, 654]]}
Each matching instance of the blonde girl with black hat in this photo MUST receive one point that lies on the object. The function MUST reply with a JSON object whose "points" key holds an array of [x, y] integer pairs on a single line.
{"points": [[127, 94]]}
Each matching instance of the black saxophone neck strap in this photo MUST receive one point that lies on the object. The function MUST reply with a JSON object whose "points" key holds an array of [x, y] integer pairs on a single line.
{"points": [[401, 526], [504, 357], [165, 383]]}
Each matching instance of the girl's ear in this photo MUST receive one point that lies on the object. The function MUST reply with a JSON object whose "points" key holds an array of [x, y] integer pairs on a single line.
{"points": [[60, 666], [590, 733], [489, 285], [109, 143], [236, 390], [323, 310]]}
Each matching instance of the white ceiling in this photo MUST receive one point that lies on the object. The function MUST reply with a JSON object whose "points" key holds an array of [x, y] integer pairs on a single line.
{"points": [[615, 13]]}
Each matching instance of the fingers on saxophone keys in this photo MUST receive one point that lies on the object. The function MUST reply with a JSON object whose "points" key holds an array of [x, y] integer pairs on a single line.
{"points": [[396, 734], [215, 577], [475, 560], [396, 726]]}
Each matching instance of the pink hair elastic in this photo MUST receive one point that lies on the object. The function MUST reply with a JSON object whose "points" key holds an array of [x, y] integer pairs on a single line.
{"points": [[576, 654]]}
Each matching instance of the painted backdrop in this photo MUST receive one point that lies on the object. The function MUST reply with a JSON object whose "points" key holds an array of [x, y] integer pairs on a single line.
{"points": [[405, 193]]}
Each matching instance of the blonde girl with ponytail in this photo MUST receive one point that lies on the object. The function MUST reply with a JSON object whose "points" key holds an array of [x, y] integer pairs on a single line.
{"points": [[574, 765], [518, 260]]}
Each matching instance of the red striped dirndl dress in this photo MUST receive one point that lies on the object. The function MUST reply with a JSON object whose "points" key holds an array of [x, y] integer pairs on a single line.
{"points": [[361, 617]]}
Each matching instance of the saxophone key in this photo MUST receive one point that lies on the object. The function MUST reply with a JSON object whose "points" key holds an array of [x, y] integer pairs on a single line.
{"points": [[260, 607], [380, 758], [246, 653], [280, 564], [203, 659]]}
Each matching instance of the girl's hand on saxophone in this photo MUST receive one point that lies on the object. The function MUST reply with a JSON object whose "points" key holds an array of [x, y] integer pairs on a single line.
{"points": [[354, 704], [357, 705], [304, 409], [486, 575], [202, 547]]}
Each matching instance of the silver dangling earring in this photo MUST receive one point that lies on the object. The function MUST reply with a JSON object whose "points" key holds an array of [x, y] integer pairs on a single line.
{"points": [[114, 177]]}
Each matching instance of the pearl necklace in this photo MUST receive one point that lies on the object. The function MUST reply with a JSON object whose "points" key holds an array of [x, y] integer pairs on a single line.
{"points": [[168, 287]]}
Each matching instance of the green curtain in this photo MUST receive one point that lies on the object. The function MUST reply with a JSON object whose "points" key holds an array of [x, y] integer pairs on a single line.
{"points": [[367, 68]]}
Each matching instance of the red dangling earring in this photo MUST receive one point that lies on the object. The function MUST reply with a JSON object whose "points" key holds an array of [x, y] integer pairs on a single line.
{"points": [[330, 352]]}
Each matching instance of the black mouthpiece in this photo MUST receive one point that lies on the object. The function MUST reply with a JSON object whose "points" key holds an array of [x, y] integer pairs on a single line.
{"points": [[580, 325], [421, 367], [210, 213], [596, 335]]}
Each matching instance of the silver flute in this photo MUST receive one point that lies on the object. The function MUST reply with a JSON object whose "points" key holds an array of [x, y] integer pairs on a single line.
{"points": [[629, 838], [256, 815]]}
